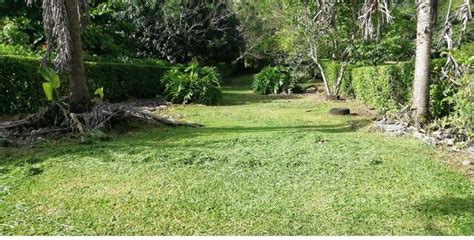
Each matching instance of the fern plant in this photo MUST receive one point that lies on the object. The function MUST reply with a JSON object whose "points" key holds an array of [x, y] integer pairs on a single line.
{"points": [[192, 84], [274, 80]]}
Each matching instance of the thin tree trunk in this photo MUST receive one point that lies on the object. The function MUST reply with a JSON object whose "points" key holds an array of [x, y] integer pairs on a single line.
{"points": [[79, 99], [421, 82], [326, 85], [340, 77], [314, 57]]}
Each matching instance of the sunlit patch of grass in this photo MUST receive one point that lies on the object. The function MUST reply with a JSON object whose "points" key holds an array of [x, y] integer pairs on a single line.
{"points": [[261, 166]]}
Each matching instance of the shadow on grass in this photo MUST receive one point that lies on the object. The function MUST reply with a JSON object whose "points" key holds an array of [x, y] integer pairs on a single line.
{"points": [[243, 95], [447, 209], [238, 91]]}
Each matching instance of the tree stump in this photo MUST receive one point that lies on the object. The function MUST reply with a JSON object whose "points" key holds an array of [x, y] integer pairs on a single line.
{"points": [[340, 111]]}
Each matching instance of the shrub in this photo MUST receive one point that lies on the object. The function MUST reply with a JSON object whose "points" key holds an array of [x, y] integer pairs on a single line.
{"points": [[123, 81], [192, 84], [21, 85], [274, 80], [389, 86], [13, 34], [378, 86]]}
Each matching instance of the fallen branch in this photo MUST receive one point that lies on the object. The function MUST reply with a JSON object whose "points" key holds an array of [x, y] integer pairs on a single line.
{"points": [[58, 119]]}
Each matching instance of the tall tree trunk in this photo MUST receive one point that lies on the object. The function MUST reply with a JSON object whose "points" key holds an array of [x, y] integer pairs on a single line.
{"points": [[79, 99], [421, 82]]}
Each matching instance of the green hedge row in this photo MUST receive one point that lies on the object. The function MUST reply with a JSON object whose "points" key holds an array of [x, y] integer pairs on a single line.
{"points": [[21, 91], [381, 87], [387, 86], [331, 69]]}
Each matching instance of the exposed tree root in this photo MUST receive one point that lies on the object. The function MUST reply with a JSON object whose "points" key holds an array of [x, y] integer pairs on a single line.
{"points": [[58, 119]]}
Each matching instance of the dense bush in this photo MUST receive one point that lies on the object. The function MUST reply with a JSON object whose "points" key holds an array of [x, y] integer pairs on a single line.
{"points": [[275, 80], [13, 34], [180, 31], [21, 84], [389, 86], [123, 81], [107, 33], [192, 84], [380, 86]]}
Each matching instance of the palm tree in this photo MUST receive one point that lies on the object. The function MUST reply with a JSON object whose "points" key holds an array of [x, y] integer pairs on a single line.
{"points": [[63, 22], [421, 83]]}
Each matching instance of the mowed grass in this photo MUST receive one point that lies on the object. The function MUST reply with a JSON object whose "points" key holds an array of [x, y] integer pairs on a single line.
{"points": [[261, 166]]}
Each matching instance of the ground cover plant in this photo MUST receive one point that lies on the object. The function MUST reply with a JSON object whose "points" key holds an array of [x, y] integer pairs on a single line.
{"points": [[262, 165]]}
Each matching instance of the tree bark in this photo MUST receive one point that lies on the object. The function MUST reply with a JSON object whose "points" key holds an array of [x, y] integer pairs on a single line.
{"points": [[421, 83], [325, 81], [79, 99], [339, 78]]}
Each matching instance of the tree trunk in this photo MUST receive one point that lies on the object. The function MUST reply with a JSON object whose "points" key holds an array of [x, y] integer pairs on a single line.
{"points": [[421, 82], [79, 99], [325, 81], [339, 78]]}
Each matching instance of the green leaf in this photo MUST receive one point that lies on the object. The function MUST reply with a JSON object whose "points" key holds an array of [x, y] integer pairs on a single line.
{"points": [[44, 73], [48, 90], [50, 76], [99, 92]]}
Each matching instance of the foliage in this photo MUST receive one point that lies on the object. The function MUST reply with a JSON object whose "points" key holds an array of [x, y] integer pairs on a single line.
{"points": [[462, 116], [192, 84], [396, 42], [375, 86], [20, 25], [17, 50], [389, 87], [275, 80], [266, 167], [180, 31], [99, 92], [108, 31], [21, 84], [12, 33], [331, 71], [452, 101], [52, 82]]}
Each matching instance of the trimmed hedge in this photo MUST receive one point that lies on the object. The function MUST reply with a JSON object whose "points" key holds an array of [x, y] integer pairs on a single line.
{"points": [[124, 81], [331, 69], [381, 87], [21, 92], [20, 85], [387, 86]]}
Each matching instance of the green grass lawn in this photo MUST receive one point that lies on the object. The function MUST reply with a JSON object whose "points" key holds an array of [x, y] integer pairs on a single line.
{"points": [[261, 166]]}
